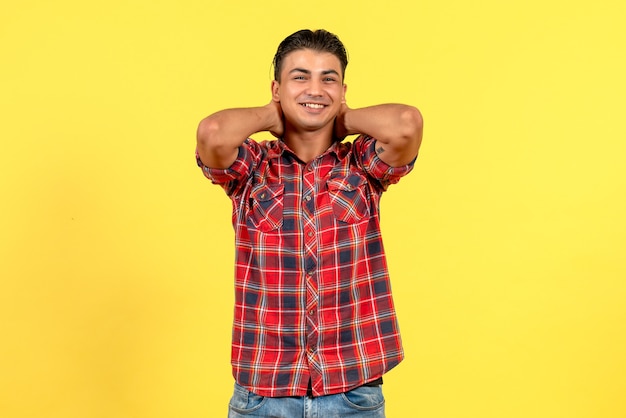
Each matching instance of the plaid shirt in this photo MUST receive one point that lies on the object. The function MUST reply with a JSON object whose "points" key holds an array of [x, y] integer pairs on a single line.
{"points": [[312, 292]]}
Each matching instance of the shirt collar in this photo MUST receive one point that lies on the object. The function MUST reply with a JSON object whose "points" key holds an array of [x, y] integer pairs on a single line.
{"points": [[277, 148]]}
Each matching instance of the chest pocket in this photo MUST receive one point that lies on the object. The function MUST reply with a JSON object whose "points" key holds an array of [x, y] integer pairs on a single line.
{"points": [[266, 207], [348, 197]]}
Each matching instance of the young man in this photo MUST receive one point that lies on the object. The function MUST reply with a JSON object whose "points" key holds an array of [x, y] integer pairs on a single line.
{"points": [[314, 322]]}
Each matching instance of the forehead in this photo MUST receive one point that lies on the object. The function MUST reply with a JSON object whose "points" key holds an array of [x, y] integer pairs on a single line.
{"points": [[310, 60]]}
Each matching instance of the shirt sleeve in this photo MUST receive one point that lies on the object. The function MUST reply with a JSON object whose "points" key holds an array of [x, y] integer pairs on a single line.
{"points": [[239, 171], [365, 152]]}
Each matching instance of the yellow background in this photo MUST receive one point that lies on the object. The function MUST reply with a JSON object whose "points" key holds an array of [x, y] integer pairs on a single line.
{"points": [[506, 244]]}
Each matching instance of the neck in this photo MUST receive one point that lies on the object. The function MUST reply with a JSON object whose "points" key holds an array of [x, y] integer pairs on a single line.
{"points": [[308, 145]]}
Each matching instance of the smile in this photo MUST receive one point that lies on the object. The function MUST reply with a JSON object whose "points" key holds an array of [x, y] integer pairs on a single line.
{"points": [[313, 105]]}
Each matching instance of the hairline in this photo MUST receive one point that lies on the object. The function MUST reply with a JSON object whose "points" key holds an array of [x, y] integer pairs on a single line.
{"points": [[341, 72]]}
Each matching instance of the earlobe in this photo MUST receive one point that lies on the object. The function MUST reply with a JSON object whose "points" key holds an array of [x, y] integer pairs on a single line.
{"points": [[343, 96], [275, 93]]}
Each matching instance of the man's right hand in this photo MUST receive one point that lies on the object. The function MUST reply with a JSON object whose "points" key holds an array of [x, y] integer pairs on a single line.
{"points": [[278, 127]]}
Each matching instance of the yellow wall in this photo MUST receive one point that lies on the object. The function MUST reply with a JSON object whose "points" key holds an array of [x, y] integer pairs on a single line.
{"points": [[506, 244]]}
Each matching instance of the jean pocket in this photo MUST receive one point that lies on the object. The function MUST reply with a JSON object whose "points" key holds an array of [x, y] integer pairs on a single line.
{"points": [[365, 398], [245, 402]]}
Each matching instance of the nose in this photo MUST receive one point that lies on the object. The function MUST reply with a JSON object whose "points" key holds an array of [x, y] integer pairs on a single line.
{"points": [[314, 87]]}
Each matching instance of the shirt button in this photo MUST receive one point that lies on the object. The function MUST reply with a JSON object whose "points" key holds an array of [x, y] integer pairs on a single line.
{"points": [[307, 198], [312, 312]]}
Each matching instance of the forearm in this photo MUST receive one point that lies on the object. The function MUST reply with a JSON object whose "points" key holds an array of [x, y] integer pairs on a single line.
{"points": [[386, 122], [220, 134], [396, 127]]}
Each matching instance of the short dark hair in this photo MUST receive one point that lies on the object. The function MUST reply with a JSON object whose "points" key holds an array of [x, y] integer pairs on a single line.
{"points": [[319, 40]]}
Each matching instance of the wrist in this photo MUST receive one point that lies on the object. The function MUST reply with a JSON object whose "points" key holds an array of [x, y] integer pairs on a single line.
{"points": [[346, 120], [272, 118]]}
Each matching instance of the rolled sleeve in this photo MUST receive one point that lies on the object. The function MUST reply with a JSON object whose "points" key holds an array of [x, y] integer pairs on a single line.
{"points": [[239, 170], [377, 168]]}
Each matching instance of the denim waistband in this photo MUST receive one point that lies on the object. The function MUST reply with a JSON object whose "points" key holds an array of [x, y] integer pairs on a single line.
{"points": [[375, 382]]}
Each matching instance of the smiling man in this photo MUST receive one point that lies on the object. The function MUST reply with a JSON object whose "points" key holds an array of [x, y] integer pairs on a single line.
{"points": [[314, 326]]}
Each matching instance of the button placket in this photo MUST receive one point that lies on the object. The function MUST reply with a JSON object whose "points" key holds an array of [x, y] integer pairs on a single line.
{"points": [[309, 231]]}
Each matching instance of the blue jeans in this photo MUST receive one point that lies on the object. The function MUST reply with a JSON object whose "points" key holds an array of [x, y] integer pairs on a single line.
{"points": [[362, 402]]}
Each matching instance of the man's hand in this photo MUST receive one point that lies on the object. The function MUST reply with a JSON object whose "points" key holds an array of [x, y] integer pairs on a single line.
{"points": [[277, 128], [340, 129]]}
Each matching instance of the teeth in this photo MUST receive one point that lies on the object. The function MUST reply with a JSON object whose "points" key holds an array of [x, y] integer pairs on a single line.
{"points": [[313, 105]]}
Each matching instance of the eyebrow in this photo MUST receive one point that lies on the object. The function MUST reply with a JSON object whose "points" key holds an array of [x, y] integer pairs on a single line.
{"points": [[302, 70]]}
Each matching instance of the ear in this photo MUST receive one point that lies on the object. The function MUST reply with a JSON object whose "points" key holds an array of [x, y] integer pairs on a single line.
{"points": [[275, 91], [343, 95]]}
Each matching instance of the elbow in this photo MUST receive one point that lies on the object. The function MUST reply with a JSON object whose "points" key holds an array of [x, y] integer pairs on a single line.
{"points": [[207, 133], [412, 124], [207, 141], [212, 146]]}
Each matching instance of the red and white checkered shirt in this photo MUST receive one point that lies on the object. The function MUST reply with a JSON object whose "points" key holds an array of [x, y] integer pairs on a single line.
{"points": [[312, 292]]}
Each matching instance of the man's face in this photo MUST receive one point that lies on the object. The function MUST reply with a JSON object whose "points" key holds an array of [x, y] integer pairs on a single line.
{"points": [[311, 89]]}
